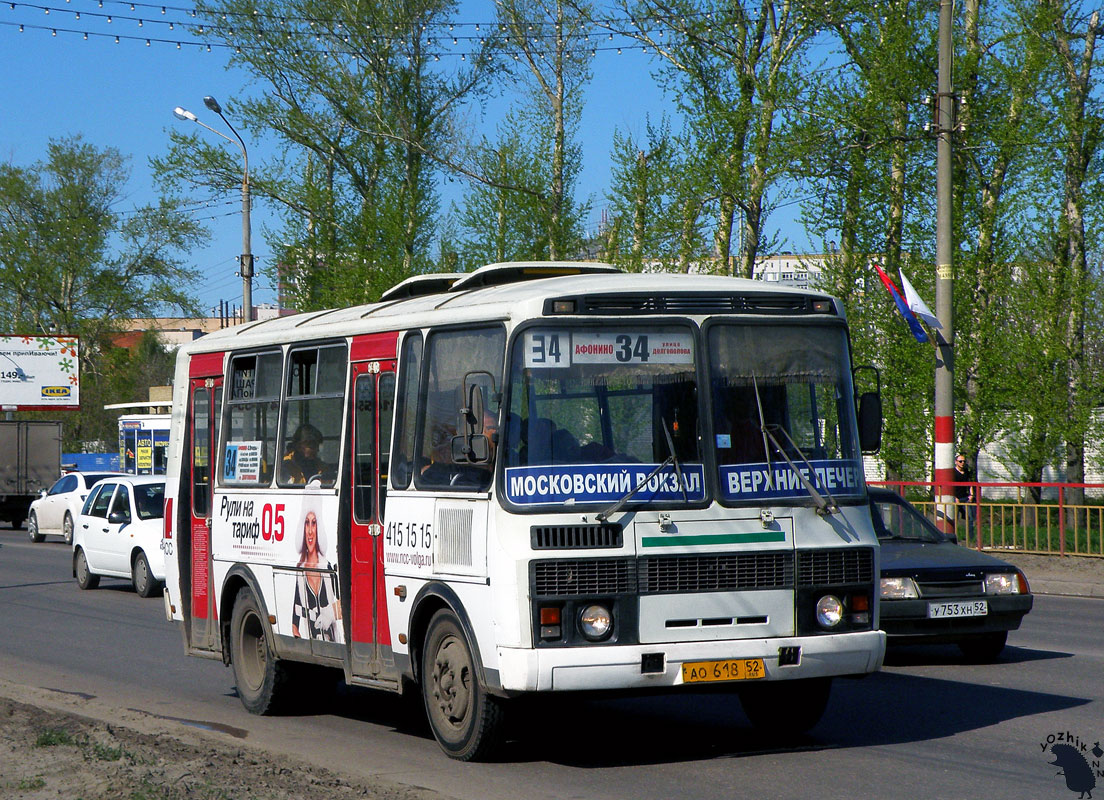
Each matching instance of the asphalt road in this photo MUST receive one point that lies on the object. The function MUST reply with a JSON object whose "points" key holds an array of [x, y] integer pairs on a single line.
{"points": [[926, 726]]}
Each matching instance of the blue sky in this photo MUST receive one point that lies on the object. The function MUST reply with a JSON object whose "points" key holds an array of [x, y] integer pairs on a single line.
{"points": [[122, 95]]}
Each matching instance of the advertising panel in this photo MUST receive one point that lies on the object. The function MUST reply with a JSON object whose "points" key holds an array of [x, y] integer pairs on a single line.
{"points": [[39, 373]]}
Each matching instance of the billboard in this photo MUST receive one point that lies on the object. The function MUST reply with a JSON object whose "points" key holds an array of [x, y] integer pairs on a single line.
{"points": [[39, 373]]}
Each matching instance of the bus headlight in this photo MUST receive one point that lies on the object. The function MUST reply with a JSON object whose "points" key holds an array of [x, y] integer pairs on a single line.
{"points": [[829, 611], [595, 622]]}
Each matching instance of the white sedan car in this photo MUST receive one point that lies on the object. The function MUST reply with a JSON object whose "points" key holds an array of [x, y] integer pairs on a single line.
{"points": [[55, 511], [118, 533]]}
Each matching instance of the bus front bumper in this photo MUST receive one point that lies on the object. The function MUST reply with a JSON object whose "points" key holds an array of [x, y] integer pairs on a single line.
{"points": [[623, 667]]}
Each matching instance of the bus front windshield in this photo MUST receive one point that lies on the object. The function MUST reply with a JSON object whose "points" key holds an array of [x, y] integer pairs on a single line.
{"points": [[595, 414], [782, 405]]}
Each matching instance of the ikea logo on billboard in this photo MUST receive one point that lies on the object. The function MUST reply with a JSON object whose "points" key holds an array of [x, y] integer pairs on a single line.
{"points": [[56, 391]]}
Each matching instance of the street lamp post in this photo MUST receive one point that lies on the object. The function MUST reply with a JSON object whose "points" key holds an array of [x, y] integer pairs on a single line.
{"points": [[246, 260]]}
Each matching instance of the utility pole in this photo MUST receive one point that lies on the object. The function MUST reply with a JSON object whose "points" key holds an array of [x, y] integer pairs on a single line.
{"points": [[944, 279]]}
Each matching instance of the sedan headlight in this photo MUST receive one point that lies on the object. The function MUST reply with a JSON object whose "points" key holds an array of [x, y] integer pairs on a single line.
{"points": [[898, 589], [1002, 583], [595, 622]]}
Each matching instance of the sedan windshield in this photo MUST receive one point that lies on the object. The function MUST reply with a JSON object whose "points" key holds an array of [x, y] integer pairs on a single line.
{"points": [[149, 498], [896, 519], [783, 410], [593, 413]]}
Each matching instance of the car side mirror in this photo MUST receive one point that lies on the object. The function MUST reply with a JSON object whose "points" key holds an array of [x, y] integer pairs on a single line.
{"points": [[42, 493], [118, 518]]}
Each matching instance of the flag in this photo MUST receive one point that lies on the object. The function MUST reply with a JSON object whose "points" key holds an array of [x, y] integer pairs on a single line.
{"points": [[902, 306], [917, 305]]}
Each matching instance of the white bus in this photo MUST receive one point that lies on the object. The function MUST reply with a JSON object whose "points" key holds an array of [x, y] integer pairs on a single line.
{"points": [[539, 477]]}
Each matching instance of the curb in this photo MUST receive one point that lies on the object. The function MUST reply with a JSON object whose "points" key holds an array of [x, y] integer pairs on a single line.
{"points": [[1066, 588]]}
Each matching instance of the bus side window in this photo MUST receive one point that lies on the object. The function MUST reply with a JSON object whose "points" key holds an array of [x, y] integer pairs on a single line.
{"points": [[386, 402], [253, 408], [452, 356], [315, 394], [363, 447], [201, 452], [410, 371]]}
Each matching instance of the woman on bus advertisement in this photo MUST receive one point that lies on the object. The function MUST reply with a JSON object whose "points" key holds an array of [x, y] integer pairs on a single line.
{"points": [[316, 603]]}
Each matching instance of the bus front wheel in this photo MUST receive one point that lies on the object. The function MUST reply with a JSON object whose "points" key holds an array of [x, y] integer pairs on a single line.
{"points": [[786, 708], [466, 721], [261, 678]]}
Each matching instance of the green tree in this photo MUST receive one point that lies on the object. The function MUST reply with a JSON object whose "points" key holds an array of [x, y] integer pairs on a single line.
{"points": [[546, 38], [364, 114], [73, 263], [655, 210], [503, 216], [732, 68]]}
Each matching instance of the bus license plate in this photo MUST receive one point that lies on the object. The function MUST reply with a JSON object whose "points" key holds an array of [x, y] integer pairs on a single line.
{"points": [[972, 608], [734, 669]]}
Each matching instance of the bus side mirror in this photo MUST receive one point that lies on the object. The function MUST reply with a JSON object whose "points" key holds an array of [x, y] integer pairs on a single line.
{"points": [[870, 422], [471, 446]]}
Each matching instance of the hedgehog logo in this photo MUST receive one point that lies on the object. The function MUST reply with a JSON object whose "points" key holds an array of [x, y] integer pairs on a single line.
{"points": [[1076, 770]]}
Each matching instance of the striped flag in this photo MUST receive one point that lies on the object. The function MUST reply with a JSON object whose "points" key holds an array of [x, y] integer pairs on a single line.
{"points": [[914, 324], [917, 305]]}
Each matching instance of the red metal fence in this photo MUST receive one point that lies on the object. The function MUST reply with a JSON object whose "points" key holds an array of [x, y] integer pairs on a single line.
{"points": [[1007, 516]]}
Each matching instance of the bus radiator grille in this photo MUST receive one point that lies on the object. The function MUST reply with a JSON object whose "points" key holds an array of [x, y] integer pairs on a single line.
{"points": [[835, 566], [571, 577], [716, 573]]}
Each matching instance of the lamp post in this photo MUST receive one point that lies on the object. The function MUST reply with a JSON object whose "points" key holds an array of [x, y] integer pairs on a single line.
{"points": [[246, 260]]}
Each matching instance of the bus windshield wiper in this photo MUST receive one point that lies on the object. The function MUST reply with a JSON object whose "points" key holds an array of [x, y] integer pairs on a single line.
{"points": [[674, 460], [824, 507], [602, 516]]}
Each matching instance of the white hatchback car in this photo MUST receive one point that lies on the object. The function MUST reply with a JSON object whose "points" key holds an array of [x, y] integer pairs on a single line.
{"points": [[118, 533], [57, 509]]}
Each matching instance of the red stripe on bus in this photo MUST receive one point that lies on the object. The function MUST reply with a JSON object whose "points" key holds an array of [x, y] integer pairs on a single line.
{"points": [[205, 365], [375, 347]]}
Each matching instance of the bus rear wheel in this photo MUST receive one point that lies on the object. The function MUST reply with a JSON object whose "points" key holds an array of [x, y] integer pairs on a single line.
{"points": [[261, 678], [465, 720], [785, 709]]}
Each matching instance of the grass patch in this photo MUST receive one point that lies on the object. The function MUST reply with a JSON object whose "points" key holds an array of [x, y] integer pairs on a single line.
{"points": [[100, 752], [52, 737], [30, 784]]}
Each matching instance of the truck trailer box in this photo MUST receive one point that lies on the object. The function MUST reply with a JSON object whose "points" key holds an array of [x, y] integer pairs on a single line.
{"points": [[30, 461]]}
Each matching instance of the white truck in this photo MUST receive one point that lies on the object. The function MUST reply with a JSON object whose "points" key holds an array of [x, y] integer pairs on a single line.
{"points": [[30, 461]]}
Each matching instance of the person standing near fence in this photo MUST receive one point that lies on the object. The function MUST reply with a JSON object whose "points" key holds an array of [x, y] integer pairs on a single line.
{"points": [[964, 489]]}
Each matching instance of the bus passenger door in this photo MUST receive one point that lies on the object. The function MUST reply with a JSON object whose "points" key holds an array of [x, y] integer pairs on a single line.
{"points": [[373, 412], [204, 406]]}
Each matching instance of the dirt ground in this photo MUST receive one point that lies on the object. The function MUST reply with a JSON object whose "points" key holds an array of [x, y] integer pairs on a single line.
{"points": [[51, 754]]}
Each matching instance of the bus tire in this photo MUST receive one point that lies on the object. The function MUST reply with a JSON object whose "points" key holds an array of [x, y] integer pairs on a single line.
{"points": [[32, 528], [85, 578], [466, 721], [261, 678], [783, 709]]}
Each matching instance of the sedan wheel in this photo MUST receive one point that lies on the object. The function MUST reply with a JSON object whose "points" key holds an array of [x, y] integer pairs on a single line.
{"points": [[85, 578], [67, 528], [32, 528], [142, 578]]}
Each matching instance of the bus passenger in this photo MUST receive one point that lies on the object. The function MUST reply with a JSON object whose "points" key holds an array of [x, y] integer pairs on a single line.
{"points": [[302, 461]]}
